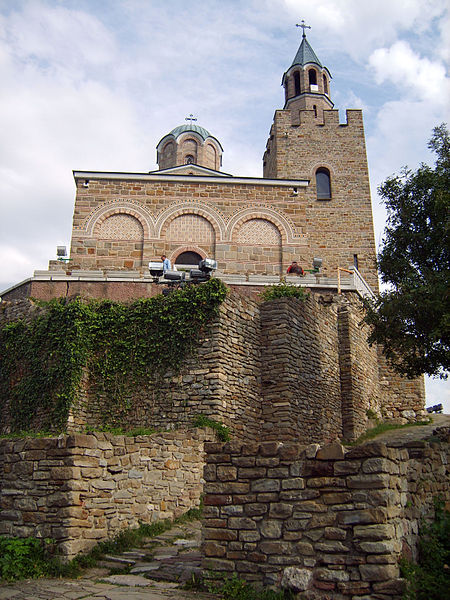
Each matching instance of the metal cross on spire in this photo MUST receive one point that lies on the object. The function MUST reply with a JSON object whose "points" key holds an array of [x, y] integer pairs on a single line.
{"points": [[303, 26], [191, 118]]}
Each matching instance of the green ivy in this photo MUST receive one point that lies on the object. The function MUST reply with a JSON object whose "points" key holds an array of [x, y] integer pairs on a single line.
{"points": [[120, 345], [283, 290]]}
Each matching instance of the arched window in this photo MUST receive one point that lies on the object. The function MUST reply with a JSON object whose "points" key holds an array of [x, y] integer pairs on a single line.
{"points": [[286, 89], [323, 184], [325, 84], [189, 160], [297, 83], [312, 76], [315, 110], [188, 258]]}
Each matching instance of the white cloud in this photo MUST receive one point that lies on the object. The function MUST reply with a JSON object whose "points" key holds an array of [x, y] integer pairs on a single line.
{"points": [[356, 26], [401, 66]]}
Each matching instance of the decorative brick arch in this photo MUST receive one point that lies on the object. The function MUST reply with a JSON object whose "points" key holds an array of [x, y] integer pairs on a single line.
{"points": [[259, 212], [176, 253], [216, 220], [319, 165], [98, 216]]}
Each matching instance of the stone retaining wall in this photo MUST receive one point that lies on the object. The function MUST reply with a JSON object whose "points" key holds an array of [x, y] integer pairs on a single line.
{"points": [[283, 370], [81, 489], [334, 521]]}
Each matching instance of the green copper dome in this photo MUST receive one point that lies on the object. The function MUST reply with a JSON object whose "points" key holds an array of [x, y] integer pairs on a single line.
{"points": [[191, 127]]}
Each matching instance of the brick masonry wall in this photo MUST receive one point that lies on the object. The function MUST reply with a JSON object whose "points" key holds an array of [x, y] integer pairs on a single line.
{"points": [[81, 489], [336, 520], [281, 225]]}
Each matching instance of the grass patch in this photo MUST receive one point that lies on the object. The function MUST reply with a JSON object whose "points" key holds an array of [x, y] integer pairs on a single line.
{"points": [[120, 431], [234, 588], [381, 428], [222, 431], [27, 434]]}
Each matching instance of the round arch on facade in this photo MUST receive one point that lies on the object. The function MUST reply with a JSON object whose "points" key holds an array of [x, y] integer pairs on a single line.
{"points": [[103, 212], [172, 212], [190, 248], [285, 228]]}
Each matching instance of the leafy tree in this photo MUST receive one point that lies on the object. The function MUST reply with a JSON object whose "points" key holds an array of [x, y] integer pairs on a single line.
{"points": [[411, 320]]}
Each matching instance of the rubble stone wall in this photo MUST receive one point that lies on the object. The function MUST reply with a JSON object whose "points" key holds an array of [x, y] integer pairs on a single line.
{"points": [[337, 521], [283, 370], [82, 489]]}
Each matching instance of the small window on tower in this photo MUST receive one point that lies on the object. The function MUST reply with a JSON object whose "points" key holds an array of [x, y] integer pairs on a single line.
{"points": [[323, 184], [312, 75], [286, 89], [189, 160], [297, 83], [325, 85], [315, 110]]}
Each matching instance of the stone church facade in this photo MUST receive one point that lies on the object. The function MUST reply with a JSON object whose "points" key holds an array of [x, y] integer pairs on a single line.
{"points": [[312, 201]]}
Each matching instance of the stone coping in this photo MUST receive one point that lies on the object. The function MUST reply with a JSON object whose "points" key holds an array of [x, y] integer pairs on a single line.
{"points": [[351, 283]]}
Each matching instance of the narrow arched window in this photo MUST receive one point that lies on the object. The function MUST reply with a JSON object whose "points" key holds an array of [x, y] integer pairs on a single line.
{"points": [[286, 89], [189, 160], [323, 184], [315, 110], [297, 83], [312, 76], [325, 85]]}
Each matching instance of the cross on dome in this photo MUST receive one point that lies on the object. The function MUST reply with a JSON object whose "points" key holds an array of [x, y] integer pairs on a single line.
{"points": [[303, 26], [191, 118]]}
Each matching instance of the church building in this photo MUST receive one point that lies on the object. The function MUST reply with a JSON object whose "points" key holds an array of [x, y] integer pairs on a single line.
{"points": [[312, 201]]}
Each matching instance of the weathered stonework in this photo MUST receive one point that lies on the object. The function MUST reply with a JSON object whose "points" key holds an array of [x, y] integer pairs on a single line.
{"points": [[335, 520], [81, 489], [283, 370]]}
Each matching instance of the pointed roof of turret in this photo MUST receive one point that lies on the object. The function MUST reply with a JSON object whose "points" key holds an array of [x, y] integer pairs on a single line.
{"points": [[305, 54]]}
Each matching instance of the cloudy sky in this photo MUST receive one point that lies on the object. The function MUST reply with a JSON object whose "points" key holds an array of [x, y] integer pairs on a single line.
{"points": [[94, 85]]}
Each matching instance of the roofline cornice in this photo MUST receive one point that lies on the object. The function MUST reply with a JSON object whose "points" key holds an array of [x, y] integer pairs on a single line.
{"points": [[191, 178]]}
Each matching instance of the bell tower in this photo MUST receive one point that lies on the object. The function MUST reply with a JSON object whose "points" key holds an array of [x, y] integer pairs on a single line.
{"points": [[307, 82], [308, 141]]}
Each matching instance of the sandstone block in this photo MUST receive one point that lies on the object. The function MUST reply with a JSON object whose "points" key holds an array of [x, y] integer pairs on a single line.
{"points": [[270, 529], [378, 572]]}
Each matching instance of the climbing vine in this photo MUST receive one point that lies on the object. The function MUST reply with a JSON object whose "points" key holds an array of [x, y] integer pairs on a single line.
{"points": [[121, 346]]}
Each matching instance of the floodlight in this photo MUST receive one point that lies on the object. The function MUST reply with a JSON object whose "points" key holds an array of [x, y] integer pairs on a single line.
{"points": [[61, 251], [175, 275], [317, 263], [198, 276], [156, 270], [207, 265]]}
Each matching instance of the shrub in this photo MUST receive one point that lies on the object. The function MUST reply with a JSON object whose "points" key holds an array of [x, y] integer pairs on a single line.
{"points": [[283, 290], [429, 579]]}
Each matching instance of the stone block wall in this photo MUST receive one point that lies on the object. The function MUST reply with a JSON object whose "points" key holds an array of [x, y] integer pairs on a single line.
{"points": [[221, 380], [300, 370], [283, 370], [81, 489], [358, 366], [336, 520], [403, 398], [340, 227]]}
